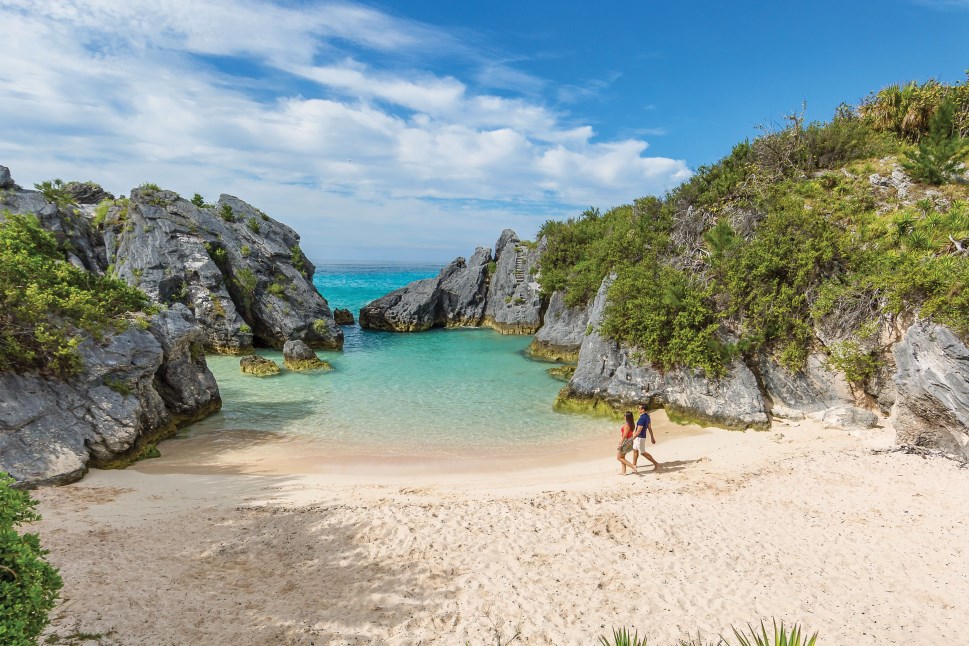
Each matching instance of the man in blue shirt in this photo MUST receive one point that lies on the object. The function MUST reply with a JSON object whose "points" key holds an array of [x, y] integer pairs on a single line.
{"points": [[643, 425]]}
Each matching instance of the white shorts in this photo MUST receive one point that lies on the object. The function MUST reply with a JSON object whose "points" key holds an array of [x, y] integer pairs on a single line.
{"points": [[640, 444]]}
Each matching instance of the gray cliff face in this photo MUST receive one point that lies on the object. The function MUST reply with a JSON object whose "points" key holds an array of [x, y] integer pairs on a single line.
{"points": [[136, 388], [795, 395], [514, 302], [932, 380], [563, 331], [242, 273], [454, 298], [608, 373]]}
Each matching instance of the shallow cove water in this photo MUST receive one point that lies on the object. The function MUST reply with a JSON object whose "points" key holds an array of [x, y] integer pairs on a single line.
{"points": [[428, 394]]}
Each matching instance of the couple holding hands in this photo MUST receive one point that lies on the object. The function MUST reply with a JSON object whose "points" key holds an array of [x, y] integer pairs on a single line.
{"points": [[634, 439]]}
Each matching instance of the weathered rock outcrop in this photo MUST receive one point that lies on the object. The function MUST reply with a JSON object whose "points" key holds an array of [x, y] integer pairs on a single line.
{"points": [[932, 380], [343, 316], [136, 388], [607, 375], [253, 364], [241, 272], [497, 292], [300, 357], [562, 332], [514, 301], [73, 230], [795, 395], [454, 298]]}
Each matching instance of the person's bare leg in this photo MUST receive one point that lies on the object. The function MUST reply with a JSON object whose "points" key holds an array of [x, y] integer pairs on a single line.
{"points": [[656, 464], [636, 457], [625, 463]]}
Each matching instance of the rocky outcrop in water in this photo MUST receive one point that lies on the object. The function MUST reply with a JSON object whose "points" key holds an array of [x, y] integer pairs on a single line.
{"points": [[253, 364], [498, 292], [136, 388], [299, 357], [932, 380], [454, 298], [343, 316]]}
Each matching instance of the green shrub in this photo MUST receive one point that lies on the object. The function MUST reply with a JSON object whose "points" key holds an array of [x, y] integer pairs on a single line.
{"points": [[246, 281], [55, 192], [48, 306], [277, 289], [770, 279], [668, 317], [198, 201], [28, 584], [227, 214], [150, 187], [298, 259], [941, 152], [245, 251], [253, 225]]}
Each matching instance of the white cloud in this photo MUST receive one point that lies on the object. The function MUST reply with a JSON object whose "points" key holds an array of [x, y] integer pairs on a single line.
{"points": [[355, 154]]}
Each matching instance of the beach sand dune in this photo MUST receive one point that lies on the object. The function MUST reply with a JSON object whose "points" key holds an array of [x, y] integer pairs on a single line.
{"points": [[801, 524]]}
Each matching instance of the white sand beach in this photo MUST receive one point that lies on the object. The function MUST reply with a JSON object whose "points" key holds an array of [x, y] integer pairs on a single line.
{"points": [[256, 542]]}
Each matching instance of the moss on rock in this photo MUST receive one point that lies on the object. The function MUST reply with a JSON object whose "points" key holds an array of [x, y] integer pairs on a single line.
{"points": [[259, 366]]}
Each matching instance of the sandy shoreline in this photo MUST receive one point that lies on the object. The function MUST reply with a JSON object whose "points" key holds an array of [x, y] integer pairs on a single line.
{"points": [[800, 523]]}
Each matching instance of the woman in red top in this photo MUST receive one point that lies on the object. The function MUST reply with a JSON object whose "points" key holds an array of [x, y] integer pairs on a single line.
{"points": [[626, 445]]}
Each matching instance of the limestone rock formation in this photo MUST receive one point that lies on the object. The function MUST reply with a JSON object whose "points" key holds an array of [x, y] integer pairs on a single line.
{"points": [[498, 292], [343, 316], [87, 192], [849, 418], [136, 388], [73, 230], [6, 181], [813, 389], [562, 332], [454, 298], [932, 380], [608, 375], [514, 301], [241, 272], [253, 364], [300, 357]]}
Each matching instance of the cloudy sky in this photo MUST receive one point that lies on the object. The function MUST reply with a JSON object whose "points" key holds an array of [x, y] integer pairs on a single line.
{"points": [[420, 129]]}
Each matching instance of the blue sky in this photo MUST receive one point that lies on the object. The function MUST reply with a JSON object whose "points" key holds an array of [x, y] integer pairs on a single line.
{"points": [[419, 130]]}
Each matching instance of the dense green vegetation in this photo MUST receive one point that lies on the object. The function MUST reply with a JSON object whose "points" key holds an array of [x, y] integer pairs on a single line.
{"points": [[48, 306], [28, 584], [784, 234]]}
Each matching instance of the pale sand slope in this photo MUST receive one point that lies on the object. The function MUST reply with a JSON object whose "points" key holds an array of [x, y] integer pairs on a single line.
{"points": [[799, 523]]}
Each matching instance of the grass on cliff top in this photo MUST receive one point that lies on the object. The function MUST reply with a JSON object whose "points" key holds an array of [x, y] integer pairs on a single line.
{"points": [[48, 306], [784, 234]]}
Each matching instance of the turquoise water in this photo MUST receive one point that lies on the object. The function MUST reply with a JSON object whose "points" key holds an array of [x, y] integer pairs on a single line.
{"points": [[420, 393]]}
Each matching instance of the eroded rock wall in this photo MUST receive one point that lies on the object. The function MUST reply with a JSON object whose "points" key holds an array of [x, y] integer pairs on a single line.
{"points": [[932, 380], [136, 388]]}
